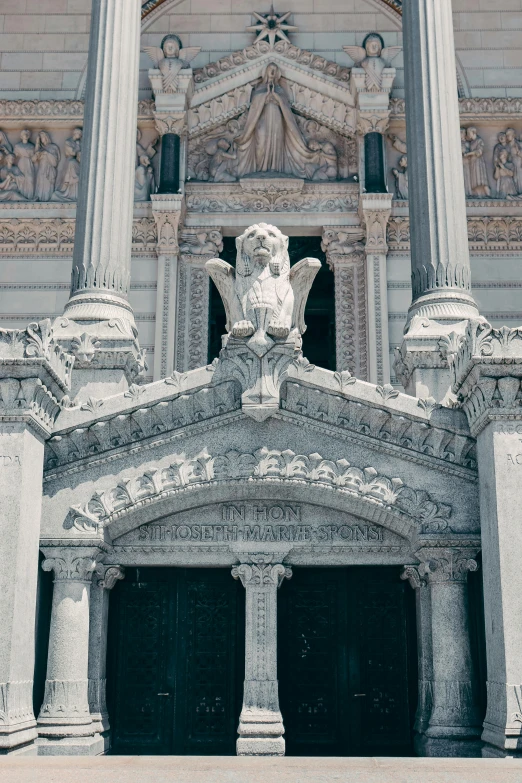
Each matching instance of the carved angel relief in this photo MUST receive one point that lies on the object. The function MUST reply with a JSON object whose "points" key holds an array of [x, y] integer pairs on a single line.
{"points": [[373, 57], [170, 58], [263, 297]]}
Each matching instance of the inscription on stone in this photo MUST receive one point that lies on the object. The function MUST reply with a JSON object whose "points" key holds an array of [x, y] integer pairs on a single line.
{"points": [[10, 462]]}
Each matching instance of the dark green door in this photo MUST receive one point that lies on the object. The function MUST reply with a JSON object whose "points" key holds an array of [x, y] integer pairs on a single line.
{"points": [[176, 661], [347, 662]]}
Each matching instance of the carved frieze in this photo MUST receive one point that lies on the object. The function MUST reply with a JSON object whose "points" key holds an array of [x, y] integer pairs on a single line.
{"points": [[271, 197], [264, 465]]}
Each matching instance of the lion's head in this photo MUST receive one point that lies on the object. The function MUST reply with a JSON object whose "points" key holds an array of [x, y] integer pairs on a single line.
{"points": [[260, 245]]}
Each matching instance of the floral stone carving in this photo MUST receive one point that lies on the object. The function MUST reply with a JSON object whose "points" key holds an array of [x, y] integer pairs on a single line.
{"points": [[264, 302], [264, 465]]}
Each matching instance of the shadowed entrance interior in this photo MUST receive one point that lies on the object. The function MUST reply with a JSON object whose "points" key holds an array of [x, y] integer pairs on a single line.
{"points": [[347, 662], [176, 661]]}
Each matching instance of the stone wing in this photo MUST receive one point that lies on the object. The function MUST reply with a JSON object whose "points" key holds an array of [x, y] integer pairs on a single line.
{"points": [[357, 53], [188, 54], [302, 275], [155, 54], [390, 53], [224, 276]]}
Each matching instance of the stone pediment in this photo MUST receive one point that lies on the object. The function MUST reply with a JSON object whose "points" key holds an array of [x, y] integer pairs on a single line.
{"points": [[317, 88]]}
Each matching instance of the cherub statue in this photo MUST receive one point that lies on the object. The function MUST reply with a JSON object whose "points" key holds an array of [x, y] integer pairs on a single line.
{"points": [[262, 295], [373, 58], [170, 58]]}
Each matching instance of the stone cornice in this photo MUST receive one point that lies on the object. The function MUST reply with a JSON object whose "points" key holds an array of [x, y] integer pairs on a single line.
{"points": [[486, 369], [60, 111], [35, 376]]}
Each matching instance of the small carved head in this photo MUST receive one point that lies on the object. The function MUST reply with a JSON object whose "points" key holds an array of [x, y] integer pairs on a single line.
{"points": [[25, 135], [503, 156], [10, 159], [262, 244], [77, 134], [471, 134], [463, 132], [44, 138], [272, 74], [171, 45], [511, 134], [144, 160], [403, 162], [374, 44], [502, 138]]}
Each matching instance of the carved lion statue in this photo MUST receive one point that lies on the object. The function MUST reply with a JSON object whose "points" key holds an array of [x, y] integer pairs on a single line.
{"points": [[263, 295]]}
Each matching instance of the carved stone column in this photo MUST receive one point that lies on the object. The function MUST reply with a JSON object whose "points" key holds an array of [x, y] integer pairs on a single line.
{"points": [[34, 377], [64, 724], [197, 246], [454, 725], [344, 257], [168, 212], [424, 654], [487, 374], [98, 315], [261, 724], [441, 277], [375, 210], [105, 578]]}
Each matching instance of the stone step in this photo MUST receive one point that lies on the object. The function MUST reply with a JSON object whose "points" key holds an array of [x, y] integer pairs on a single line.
{"points": [[214, 769]]}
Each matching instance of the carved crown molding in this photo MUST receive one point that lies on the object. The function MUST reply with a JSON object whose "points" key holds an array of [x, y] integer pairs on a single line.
{"points": [[49, 110], [185, 475], [35, 375], [23, 236], [486, 367], [484, 233], [473, 109]]}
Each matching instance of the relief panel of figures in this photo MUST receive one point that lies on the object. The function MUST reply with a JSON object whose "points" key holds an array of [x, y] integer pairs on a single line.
{"points": [[44, 166], [491, 160]]}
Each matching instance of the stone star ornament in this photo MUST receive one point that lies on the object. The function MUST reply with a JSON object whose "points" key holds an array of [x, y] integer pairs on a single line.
{"points": [[272, 26]]}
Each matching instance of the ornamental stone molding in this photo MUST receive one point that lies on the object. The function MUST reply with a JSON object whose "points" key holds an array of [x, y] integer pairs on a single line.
{"points": [[489, 233], [487, 371], [265, 195], [440, 565], [261, 571], [264, 466], [71, 564], [35, 376]]}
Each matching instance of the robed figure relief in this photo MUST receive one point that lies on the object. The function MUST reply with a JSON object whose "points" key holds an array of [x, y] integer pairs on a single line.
{"points": [[271, 140]]}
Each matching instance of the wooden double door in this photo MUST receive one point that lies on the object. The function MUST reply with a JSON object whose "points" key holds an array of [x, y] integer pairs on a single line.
{"points": [[346, 661], [176, 661]]}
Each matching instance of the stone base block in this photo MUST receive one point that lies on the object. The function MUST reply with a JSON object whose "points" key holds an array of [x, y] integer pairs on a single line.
{"points": [[260, 746], [71, 746], [19, 740], [448, 747]]}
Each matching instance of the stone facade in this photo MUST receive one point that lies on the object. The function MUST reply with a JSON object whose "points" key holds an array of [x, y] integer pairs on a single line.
{"points": [[128, 446]]}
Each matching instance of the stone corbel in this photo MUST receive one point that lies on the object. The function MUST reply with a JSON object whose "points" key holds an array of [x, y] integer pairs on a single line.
{"points": [[375, 211]]}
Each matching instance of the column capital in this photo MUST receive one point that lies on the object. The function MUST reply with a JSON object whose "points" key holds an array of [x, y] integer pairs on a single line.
{"points": [[486, 367], [72, 564], [168, 211], [261, 573], [170, 123], [343, 245], [445, 565]]}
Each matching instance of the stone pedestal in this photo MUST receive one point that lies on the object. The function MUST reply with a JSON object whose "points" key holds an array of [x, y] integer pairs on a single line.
{"points": [[487, 372], [261, 724], [34, 376], [98, 324], [64, 724], [441, 276], [454, 723], [375, 211], [104, 580]]}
